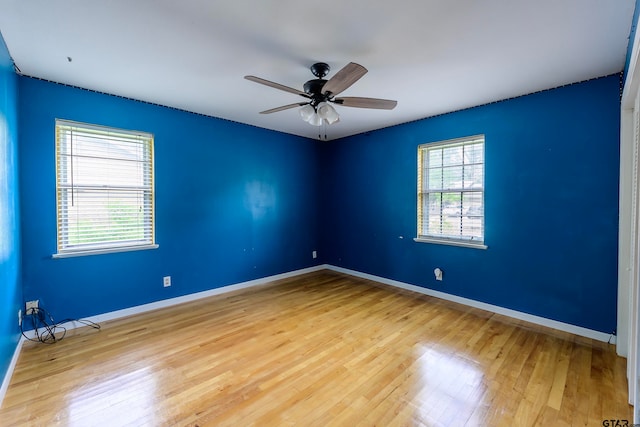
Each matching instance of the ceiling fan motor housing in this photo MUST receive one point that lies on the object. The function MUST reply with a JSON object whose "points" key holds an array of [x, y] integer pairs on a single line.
{"points": [[314, 89]]}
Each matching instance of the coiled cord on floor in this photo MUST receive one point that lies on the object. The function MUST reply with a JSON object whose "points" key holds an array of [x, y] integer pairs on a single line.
{"points": [[45, 328]]}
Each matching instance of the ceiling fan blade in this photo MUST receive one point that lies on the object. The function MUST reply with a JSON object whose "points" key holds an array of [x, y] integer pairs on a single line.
{"points": [[284, 107], [276, 85], [344, 78], [359, 102]]}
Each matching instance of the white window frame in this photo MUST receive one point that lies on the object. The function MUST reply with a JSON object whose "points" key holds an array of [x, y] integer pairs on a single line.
{"points": [[424, 190], [80, 196]]}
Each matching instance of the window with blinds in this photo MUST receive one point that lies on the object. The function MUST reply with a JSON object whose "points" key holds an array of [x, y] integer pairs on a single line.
{"points": [[104, 189], [451, 191]]}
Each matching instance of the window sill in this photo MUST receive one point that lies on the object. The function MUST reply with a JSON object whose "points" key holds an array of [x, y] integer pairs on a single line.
{"points": [[71, 254], [463, 243]]}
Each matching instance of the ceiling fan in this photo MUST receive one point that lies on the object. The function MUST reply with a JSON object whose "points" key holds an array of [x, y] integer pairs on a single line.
{"points": [[321, 94]]}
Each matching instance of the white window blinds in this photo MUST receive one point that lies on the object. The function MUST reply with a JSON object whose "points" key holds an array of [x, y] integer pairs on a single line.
{"points": [[451, 190], [104, 180]]}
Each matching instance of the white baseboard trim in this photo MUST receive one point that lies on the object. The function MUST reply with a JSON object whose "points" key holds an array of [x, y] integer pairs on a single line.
{"points": [[185, 298], [543, 321], [152, 306], [566, 327], [9, 374], [538, 320]]}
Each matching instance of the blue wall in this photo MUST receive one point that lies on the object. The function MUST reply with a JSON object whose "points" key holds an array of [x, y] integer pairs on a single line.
{"points": [[10, 272], [233, 203], [551, 194]]}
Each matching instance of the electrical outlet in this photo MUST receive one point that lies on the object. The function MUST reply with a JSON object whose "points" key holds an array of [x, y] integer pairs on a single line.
{"points": [[314, 254], [166, 281], [20, 317], [31, 307]]}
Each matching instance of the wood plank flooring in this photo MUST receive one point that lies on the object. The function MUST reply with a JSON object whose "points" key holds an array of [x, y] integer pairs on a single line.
{"points": [[322, 349]]}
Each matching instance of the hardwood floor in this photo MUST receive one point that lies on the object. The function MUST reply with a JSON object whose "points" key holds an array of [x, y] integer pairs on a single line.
{"points": [[323, 349]]}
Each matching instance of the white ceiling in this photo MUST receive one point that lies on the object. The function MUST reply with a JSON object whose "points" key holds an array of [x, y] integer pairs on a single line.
{"points": [[432, 56]]}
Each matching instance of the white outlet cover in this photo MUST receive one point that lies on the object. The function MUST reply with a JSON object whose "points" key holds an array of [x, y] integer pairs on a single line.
{"points": [[31, 305]]}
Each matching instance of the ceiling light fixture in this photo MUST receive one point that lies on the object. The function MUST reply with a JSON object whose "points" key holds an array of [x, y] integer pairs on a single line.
{"points": [[327, 112], [321, 93], [307, 112], [318, 110], [315, 114]]}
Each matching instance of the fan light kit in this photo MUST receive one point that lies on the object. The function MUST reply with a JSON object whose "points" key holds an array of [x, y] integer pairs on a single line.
{"points": [[321, 94]]}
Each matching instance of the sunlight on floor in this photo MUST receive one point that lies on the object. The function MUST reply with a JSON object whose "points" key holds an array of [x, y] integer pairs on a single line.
{"points": [[450, 388], [132, 396]]}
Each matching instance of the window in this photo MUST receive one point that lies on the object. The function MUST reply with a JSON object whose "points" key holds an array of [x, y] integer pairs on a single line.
{"points": [[104, 189], [451, 192]]}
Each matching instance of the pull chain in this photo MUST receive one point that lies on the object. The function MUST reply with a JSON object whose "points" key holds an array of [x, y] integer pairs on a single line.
{"points": [[324, 126]]}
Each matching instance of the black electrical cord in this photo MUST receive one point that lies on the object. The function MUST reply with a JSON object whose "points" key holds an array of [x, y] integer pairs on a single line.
{"points": [[45, 328]]}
